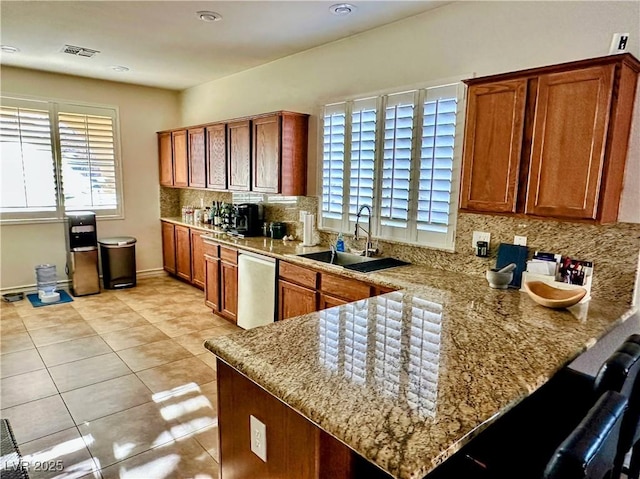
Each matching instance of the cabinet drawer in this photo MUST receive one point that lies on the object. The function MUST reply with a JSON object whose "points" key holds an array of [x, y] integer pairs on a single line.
{"points": [[230, 255], [298, 274], [211, 249], [350, 289]]}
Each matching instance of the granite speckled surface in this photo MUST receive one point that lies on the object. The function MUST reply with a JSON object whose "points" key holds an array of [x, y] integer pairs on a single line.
{"points": [[407, 378]]}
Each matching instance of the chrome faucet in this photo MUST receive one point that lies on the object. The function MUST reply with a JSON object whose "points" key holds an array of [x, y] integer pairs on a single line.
{"points": [[368, 249]]}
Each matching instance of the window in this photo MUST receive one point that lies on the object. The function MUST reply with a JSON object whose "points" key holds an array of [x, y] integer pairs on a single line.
{"points": [[400, 154], [56, 158]]}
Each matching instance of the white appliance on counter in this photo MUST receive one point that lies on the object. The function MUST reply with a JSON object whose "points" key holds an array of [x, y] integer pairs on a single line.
{"points": [[256, 290]]}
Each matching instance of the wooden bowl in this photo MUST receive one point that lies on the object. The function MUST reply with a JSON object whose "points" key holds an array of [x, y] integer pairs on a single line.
{"points": [[547, 295]]}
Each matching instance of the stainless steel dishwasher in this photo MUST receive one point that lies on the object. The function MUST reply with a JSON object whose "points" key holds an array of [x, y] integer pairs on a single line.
{"points": [[256, 290]]}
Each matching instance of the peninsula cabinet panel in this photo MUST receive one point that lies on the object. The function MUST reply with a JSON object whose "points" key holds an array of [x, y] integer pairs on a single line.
{"points": [[239, 155], [294, 300], [197, 259], [550, 142], [229, 291], [493, 144], [266, 154], [197, 175], [294, 131], [183, 252], [217, 156], [165, 155], [168, 247], [568, 151], [180, 158]]}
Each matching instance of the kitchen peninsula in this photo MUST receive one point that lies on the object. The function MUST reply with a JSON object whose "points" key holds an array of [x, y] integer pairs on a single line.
{"points": [[404, 379]]}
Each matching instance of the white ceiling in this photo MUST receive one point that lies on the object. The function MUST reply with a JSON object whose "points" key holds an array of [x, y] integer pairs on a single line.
{"points": [[164, 43]]}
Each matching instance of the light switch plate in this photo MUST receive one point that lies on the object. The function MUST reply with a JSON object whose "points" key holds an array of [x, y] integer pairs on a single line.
{"points": [[258, 438], [520, 240], [480, 236]]}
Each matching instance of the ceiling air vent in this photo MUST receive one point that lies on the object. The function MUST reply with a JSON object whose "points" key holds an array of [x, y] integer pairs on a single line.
{"points": [[79, 51]]}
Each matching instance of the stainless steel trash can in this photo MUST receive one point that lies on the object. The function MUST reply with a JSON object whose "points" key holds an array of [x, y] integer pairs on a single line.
{"points": [[118, 257]]}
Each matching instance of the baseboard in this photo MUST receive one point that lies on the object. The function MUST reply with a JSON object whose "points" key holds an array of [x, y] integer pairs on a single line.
{"points": [[64, 284]]}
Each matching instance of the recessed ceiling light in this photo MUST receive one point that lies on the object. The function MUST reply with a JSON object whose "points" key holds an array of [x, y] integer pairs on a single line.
{"points": [[119, 68], [342, 9], [207, 16], [9, 49]]}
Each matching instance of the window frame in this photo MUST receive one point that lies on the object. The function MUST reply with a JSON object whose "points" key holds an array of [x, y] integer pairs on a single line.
{"points": [[54, 107], [410, 235]]}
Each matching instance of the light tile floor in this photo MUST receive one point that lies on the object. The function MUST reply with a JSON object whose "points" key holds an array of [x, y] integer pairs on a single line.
{"points": [[113, 385]]}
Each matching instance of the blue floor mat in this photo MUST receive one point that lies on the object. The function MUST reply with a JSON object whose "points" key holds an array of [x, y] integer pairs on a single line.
{"points": [[35, 301]]}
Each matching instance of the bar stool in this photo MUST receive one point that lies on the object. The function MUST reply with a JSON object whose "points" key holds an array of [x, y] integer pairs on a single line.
{"points": [[589, 451]]}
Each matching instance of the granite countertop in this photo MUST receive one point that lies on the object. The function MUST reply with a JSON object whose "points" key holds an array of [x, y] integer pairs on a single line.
{"points": [[405, 379]]}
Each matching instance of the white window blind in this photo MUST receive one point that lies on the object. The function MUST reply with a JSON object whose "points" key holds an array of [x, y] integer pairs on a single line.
{"points": [[333, 161], [400, 154], [28, 167], [58, 157], [363, 150]]}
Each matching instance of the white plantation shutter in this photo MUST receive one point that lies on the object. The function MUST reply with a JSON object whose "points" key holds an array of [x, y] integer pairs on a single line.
{"points": [[28, 166], [437, 159], [333, 162], [399, 154], [88, 157], [363, 151], [396, 164], [58, 157]]}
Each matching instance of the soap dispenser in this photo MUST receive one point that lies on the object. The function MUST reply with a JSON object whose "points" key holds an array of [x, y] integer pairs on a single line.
{"points": [[340, 243]]}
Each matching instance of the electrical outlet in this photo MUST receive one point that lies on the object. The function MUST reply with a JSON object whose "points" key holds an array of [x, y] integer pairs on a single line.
{"points": [[258, 438], [480, 236], [619, 43], [302, 215], [520, 240]]}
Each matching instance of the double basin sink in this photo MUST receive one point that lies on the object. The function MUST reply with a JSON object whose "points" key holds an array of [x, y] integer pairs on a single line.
{"points": [[363, 264]]}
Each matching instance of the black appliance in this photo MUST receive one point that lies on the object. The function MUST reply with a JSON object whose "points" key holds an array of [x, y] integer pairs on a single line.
{"points": [[82, 252], [247, 219]]}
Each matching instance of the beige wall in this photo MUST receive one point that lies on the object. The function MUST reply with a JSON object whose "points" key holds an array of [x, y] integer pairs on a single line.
{"points": [[462, 38], [143, 111]]}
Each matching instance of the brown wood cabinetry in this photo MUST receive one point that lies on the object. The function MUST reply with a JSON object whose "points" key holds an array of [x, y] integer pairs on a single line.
{"points": [[169, 247], [212, 275], [180, 150], [326, 301], [239, 155], [197, 173], [295, 300], [217, 156], [229, 283], [183, 252], [344, 288], [165, 154], [550, 142], [265, 162], [197, 259]]}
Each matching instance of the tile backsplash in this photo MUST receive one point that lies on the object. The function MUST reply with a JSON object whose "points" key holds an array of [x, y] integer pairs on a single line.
{"points": [[614, 249]]}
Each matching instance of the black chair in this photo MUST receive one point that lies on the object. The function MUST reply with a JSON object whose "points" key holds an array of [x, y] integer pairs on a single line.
{"points": [[590, 450]]}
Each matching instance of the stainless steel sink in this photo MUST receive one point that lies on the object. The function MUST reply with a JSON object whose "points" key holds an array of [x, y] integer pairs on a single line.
{"points": [[353, 261]]}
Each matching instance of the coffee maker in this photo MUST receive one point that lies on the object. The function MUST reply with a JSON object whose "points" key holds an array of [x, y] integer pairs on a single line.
{"points": [[247, 219]]}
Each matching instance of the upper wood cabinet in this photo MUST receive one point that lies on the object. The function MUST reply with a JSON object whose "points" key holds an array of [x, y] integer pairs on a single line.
{"points": [[179, 145], [550, 142], [239, 155], [197, 174], [265, 163], [217, 156], [165, 154]]}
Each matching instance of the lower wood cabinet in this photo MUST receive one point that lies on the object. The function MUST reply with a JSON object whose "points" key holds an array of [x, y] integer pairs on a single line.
{"points": [[296, 448], [197, 259], [229, 291], [295, 300], [182, 253], [169, 247], [221, 279], [327, 301]]}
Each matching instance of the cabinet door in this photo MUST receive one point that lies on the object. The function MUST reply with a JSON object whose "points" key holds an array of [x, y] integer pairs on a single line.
{"points": [[166, 159], [294, 300], [197, 259], [217, 156], [239, 156], [229, 290], [266, 154], [168, 247], [568, 145], [493, 146], [196, 158], [183, 252], [327, 301], [180, 158], [212, 283]]}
